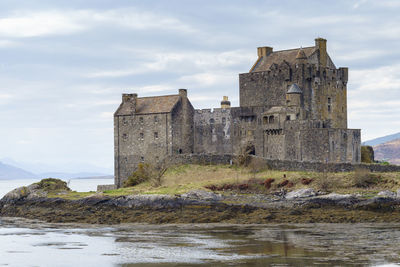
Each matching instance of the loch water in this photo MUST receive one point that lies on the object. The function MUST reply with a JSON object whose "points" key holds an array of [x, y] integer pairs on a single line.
{"points": [[34, 243]]}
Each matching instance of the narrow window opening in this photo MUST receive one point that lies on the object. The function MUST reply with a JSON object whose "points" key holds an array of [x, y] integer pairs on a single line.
{"points": [[155, 135]]}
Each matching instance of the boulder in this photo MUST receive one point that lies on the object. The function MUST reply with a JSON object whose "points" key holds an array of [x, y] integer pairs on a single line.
{"points": [[387, 194], [301, 193]]}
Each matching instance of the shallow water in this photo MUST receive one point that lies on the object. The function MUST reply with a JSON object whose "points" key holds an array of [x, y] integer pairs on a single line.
{"points": [[30, 243]]}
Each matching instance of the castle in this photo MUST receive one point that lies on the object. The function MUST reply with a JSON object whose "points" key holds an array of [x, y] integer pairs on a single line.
{"points": [[293, 106]]}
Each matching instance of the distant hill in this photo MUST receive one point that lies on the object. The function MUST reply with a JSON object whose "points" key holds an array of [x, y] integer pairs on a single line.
{"points": [[381, 140], [63, 175], [11, 172], [388, 151]]}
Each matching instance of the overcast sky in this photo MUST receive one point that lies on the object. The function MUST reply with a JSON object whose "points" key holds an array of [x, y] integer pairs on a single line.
{"points": [[65, 64]]}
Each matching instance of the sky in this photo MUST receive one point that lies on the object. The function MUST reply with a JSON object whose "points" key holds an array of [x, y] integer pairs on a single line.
{"points": [[65, 64]]}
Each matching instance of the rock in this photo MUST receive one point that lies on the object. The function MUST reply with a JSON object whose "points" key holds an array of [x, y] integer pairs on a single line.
{"points": [[398, 193], [335, 196], [387, 193], [16, 194], [301, 193], [202, 195], [36, 190]]}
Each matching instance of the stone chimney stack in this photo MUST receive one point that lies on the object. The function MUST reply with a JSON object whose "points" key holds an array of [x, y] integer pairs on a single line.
{"points": [[225, 103], [320, 43], [183, 92], [132, 100], [264, 51]]}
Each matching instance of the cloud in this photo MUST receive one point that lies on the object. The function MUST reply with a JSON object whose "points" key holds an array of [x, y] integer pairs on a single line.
{"points": [[60, 22], [179, 62], [39, 24]]}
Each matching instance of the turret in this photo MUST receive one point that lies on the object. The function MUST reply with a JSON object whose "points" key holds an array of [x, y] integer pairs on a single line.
{"points": [[293, 96]]}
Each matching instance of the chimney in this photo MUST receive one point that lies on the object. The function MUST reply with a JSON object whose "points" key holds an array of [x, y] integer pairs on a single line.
{"points": [[183, 92], [320, 43], [131, 99], [225, 103], [264, 51]]}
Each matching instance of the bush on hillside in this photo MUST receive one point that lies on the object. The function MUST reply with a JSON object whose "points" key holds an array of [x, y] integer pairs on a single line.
{"points": [[146, 172]]}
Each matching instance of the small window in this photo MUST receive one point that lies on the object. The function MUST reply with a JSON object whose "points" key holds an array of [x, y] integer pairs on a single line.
{"points": [[125, 137], [141, 119], [141, 136], [124, 121], [329, 108], [329, 100], [288, 117], [155, 119], [223, 121], [142, 159], [271, 119], [155, 135], [212, 121]]}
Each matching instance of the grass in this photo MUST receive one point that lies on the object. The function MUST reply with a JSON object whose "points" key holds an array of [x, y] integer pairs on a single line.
{"points": [[183, 178]]}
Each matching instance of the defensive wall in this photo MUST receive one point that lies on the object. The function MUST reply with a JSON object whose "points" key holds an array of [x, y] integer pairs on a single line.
{"points": [[282, 165]]}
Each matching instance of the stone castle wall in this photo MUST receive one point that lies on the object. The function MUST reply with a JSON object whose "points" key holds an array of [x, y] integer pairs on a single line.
{"points": [[282, 165]]}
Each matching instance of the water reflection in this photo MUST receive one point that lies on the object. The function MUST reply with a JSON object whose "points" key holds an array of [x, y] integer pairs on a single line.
{"points": [[24, 242]]}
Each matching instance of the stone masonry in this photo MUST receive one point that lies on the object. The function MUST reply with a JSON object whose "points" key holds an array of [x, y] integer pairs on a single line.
{"points": [[293, 107]]}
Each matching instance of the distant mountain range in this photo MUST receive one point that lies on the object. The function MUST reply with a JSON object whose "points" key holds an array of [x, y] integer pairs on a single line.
{"points": [[388, 151], [8, 171], [11, 172], [381, 140]]}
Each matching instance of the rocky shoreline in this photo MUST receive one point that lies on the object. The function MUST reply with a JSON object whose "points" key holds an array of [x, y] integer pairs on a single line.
{"points": [[301, 206]]}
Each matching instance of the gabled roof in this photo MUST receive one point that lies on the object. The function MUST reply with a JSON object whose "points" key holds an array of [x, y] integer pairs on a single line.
{"points": [[264, 63], [294, 89], [149, 105]]}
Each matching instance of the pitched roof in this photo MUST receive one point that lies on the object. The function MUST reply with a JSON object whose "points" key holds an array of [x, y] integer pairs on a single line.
{"points": [[294, 89], [149, 105], [265, 62]]}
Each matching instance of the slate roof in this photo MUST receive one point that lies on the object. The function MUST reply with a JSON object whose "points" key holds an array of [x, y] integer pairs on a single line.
{"points": [[149, 105], [294, 89], [264, 63]]}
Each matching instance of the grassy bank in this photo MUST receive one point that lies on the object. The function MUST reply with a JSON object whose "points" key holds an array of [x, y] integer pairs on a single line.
{"points": [[184, 178]]}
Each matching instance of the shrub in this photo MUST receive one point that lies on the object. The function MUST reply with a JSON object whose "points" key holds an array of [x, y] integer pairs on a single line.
{"points": [[142, 174], [367, 154], [146, 172], [364, 178], [243, 158]]}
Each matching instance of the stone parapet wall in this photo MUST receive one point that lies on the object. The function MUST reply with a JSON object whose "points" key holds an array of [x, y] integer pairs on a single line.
{"points": [[283, 165]]}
